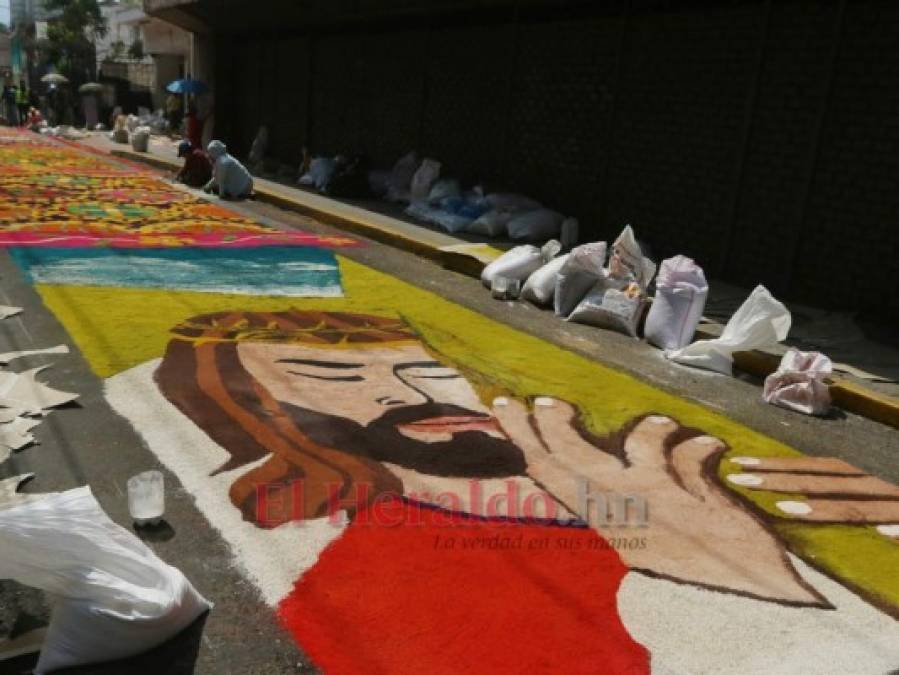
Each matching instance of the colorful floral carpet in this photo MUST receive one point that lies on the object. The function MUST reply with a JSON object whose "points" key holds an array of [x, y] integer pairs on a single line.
{"points": [[54, 194]]}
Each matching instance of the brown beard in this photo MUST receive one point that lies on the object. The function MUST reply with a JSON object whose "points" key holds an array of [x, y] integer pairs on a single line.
{"points": [[469, 454]]}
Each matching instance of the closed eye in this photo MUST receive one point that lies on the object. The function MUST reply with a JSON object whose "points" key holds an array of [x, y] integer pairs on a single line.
{"points": [[454, 376], [333, 378]]}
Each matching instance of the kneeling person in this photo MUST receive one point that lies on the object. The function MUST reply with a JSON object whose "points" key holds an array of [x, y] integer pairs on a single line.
{"points": [[197, 169], [230, 178]]}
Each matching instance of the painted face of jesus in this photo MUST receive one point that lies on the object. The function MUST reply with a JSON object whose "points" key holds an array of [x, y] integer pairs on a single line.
{"points": [[392, 403], [356, 384]]}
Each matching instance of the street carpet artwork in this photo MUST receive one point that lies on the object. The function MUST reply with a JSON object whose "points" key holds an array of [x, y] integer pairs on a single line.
{"points": [[414, 487], [52, 194], [447, 494]]}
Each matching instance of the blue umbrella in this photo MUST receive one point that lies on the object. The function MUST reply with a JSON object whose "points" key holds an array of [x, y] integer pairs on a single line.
{"points": [[187, 86]]}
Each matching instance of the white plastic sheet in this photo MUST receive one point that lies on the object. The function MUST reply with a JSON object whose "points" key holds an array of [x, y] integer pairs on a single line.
{"points": [[761, 321], [22, 390], [113, 598], [517, 263], [580, 272], [798, 384], [11, 356], [540, 287], [681, 292], [15, 435]]}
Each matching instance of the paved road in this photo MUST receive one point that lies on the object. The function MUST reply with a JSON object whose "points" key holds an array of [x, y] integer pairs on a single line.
{"points": [[178, 359]]}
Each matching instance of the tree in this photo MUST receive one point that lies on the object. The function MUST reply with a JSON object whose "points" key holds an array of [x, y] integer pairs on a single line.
{"points": [[71, 35]]}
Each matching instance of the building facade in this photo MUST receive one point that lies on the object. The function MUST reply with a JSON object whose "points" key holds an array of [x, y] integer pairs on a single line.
{"points": [[146, 52]]}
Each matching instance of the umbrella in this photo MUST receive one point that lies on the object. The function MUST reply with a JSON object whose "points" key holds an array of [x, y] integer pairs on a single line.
{"points": [[55, 78], [90, 88], [187, 86]]}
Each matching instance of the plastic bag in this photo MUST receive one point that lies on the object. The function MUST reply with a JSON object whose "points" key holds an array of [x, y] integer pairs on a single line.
{"points": [[761, 321], [423, 179], [321, 171], [507, 201], [443, 189], [113, 598], [541, 285], [627, 260], [580, 272], [799, 384], [612, 303], [681, 292], [445, 220], [493, 224], [401, 177], [538, 225], [517, 263]]}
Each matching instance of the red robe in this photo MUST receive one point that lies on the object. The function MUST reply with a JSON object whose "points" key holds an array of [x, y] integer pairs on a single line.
{"points": [[413, 589]]}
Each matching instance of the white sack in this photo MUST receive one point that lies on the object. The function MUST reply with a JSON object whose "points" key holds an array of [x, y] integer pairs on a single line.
{"points": [[444, 189], [627, 260], [612, 303], [113, 598], [541, 285], [445, 220], [140, 139], [423, 179], [492, 224], [538, 225], [401, 177], [681, 293], [578, 274], [517, 263], [799, 384], [321, 171], [507, 201], [761, 321]]}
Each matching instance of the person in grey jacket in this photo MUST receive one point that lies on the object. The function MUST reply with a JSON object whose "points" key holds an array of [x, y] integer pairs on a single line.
{"points": [[230, 178]]}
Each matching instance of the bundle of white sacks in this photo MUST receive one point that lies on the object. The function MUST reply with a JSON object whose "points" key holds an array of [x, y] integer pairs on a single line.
{"points": [[442, 201], [607, 287], [586, 287]]}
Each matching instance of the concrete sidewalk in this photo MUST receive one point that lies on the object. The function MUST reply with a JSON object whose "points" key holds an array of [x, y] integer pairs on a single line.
{"points": [[861, 384]]}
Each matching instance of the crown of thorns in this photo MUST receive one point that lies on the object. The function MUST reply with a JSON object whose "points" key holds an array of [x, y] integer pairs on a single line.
{"points": [[323, 330]]}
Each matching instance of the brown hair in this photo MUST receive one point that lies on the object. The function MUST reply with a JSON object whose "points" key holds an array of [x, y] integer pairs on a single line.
{"points": [[202, 375]]}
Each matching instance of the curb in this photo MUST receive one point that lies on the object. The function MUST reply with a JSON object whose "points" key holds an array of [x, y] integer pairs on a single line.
{"points": [[452, 261], [846, 394]]}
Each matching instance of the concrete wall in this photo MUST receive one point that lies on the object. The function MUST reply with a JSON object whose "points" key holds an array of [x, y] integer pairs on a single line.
{"points": [[761, 138]]}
